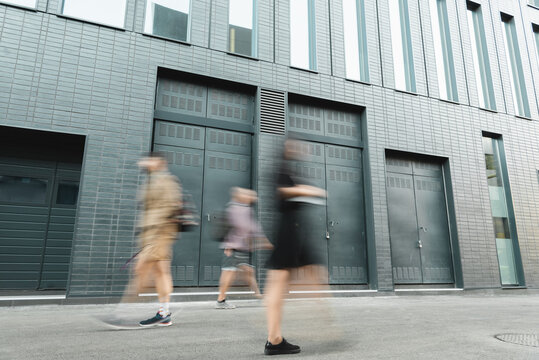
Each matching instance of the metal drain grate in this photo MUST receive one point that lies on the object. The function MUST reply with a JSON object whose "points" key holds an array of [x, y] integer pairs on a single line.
{"points": [[519, 339]]}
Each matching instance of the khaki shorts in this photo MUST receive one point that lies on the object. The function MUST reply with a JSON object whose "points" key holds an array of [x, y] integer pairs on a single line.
{"points": [[157, 242]]}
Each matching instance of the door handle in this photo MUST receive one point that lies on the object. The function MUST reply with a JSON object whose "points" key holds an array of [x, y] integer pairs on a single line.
{"points": [[209, 217], [327, 235], [419, 244]]}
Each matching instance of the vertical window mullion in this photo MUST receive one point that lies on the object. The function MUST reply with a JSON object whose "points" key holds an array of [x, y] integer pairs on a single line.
{"points": [[362, 41], [407, 45]]}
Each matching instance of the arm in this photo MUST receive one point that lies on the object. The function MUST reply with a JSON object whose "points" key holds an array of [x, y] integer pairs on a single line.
{"points": [[300, 190]]}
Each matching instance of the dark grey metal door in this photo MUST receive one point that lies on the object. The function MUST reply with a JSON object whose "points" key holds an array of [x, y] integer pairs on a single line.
{"points": [[208, 163], [347, 257], [227, 164], [187, 163], [37, 216], [418, 223]]}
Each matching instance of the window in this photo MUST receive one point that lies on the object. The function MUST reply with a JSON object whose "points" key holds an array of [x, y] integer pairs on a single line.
{"points": [[19, 189], [514, 61], [445, 65], [302, 34], [502, 215], [67, 193], [536, 33], [355, 40], [25, 3], [483, 76], [106, 12], [241, 27], [168, 18], [534, 3], [401, 41]]}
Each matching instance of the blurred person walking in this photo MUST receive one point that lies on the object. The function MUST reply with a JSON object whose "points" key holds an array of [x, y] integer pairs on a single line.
{"points": [[243, 233], [293, 245], [162, 201]]}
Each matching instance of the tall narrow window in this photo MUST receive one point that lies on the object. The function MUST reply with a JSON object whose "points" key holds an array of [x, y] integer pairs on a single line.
{"points": [[355, 40], [514, 61], [302, 34], [241, 27], [401, 41], [536, 34], [25, 3], [502, 215], [168, 18], [106, 12], [445, 65], [483, 75]]}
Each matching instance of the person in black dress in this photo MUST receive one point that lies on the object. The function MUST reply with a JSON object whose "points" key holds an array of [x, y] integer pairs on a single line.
{"points": [[293, 247]]}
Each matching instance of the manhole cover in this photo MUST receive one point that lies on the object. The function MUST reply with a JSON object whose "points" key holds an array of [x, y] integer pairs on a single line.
{"points": [[520, 339]]}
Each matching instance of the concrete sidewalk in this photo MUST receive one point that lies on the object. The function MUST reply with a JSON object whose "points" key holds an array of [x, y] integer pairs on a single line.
{"points": [[393, 327]]}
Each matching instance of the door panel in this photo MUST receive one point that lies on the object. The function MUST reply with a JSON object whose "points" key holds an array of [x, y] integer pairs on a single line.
{"points": [[433, 230], [405, 254], [167, 133], [222, 172], [187, 164], [346, 226], [25, 195]]}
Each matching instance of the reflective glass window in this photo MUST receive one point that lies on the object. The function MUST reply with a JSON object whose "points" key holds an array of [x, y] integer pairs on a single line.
{"points": [[514, 62], [67, 193], [443, 50], [401, 41], [20, 189], [355, 40], [483, 74], [168, 18], [241, 27], [25, 3], [106, 12], [302, 34]]}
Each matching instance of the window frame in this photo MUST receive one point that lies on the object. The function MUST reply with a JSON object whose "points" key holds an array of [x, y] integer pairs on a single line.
{"points": [[311, 26], [189, 18], [254, 32]]}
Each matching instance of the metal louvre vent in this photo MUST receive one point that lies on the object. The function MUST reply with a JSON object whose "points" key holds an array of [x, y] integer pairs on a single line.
{"points": [[272, 112]]}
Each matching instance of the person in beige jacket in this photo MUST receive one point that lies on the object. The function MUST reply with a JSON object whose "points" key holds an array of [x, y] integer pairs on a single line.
{"points": [[161, 199]]}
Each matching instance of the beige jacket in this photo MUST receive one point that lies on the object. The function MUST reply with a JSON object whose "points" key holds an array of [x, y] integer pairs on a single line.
{"points": [[161, 196]]}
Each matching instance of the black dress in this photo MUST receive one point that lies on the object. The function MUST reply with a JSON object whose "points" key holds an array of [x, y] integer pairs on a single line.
{"points": [[292, 246]]}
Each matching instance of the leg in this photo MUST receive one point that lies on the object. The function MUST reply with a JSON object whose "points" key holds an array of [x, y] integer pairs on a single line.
{"points": [[163, 280], [227, 276], [142, 270], [249, 276], [277, 284]]}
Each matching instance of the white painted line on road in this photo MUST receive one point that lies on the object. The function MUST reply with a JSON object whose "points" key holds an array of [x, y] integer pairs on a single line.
{"points": [[442, 289], [32, 297]]}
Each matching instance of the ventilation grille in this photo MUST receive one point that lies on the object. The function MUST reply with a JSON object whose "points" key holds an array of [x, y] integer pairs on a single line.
{"points": [[272, 112]]}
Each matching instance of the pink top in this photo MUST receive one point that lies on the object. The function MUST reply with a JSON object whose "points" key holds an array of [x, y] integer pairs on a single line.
{"points": [[243, 227]]}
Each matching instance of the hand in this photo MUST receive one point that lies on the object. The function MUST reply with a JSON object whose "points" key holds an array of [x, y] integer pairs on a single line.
{"points": [[228, 252], [314, 191]]}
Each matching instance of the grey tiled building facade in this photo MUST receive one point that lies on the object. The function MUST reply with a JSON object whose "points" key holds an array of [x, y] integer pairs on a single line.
{"points": [[65, 75]]}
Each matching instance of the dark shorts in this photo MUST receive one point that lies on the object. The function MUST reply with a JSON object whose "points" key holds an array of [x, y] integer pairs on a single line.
{"points": [[237, 259]]}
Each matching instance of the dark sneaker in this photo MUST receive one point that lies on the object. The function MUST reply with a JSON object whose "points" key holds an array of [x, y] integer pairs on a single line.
{"points": [[283, 348], [157, 320]]}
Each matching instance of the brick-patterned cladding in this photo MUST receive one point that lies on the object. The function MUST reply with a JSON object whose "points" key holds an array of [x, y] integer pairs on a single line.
{"points": [[70, 76]]}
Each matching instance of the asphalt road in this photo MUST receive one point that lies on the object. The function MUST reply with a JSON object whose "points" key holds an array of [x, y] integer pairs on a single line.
{"points": [[392, 327]]}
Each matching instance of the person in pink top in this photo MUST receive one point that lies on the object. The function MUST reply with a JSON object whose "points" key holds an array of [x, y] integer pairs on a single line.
{"points": [[238, 244]]}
